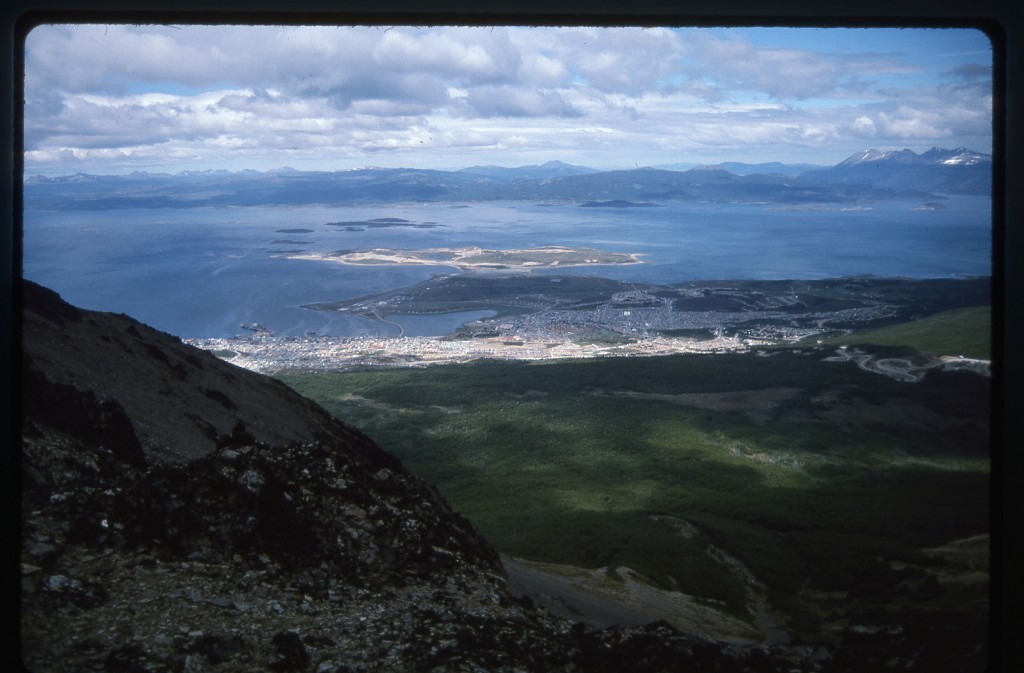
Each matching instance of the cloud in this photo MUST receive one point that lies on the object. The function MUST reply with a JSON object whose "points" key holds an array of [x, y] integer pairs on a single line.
{"points": [[908, 123], [107, 59], [427, 92], [973, 72], [609, 60], [969, 82], [507, 101], [467, 56], [225, 93]]}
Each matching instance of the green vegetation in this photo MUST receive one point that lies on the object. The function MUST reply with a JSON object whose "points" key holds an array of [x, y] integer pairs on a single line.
{"points": [[915, 297], [814, 474], [506, 295], [745, 307], [699, 334], [965, 331]]}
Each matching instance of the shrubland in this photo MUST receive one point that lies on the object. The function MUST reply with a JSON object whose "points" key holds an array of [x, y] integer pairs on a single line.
{"points": [[824, 480]]}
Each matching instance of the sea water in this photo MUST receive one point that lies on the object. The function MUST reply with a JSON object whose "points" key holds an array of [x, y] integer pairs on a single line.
{"points": [[204, 272]]}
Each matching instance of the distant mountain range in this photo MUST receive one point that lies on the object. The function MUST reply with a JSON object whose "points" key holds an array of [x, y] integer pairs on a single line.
{"points": [[550, 169], [866, 176], [742, 168], [956, 171]]}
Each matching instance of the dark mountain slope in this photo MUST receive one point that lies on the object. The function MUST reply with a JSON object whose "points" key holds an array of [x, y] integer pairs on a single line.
{"points": [[180, 399], [181, 515]]}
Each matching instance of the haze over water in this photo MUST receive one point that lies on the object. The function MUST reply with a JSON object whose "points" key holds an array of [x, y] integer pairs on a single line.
{"points": [[203, 272]]}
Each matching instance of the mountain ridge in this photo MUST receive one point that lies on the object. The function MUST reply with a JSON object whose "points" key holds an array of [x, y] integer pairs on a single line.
{"points": [[149, 368], [554, 165], [868, 175]]}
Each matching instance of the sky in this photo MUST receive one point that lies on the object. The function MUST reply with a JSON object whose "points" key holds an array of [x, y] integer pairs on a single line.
{"points": [[114, 99]]}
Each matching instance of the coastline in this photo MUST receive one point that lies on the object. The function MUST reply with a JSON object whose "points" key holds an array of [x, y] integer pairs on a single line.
{"points": [[477, 258]]}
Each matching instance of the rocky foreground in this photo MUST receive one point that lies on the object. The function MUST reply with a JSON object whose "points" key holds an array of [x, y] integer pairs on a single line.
{"points": [[182, 514]]}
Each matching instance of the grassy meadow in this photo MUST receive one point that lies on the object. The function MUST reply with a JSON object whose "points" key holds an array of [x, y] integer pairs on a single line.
{"points": [[818, 476], [964, 331]]}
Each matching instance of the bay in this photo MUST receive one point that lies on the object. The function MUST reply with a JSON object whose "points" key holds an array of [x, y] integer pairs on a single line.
{"points": [[203, 272]]}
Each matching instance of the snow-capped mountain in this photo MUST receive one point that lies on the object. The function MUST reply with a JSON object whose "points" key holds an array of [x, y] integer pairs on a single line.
{"points": [[951, 171], [960, 156]]}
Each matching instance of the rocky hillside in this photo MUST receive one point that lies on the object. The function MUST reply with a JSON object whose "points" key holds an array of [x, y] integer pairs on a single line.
{"points": [[155, 397], [180, 514]]}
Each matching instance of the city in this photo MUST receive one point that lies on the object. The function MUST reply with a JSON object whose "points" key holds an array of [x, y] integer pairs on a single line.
{"points": [[561, 318], [269, 354]]}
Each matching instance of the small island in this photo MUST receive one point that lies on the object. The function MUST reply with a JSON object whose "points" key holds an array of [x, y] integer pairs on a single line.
{"points": [[380, 223], [479, 259], [617, 203]]}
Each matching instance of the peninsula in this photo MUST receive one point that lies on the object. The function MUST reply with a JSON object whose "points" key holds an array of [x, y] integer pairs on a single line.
{"points": [[479, 259]]}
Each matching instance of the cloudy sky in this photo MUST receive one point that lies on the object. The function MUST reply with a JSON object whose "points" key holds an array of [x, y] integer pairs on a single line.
{"points": [[111, 99]]}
